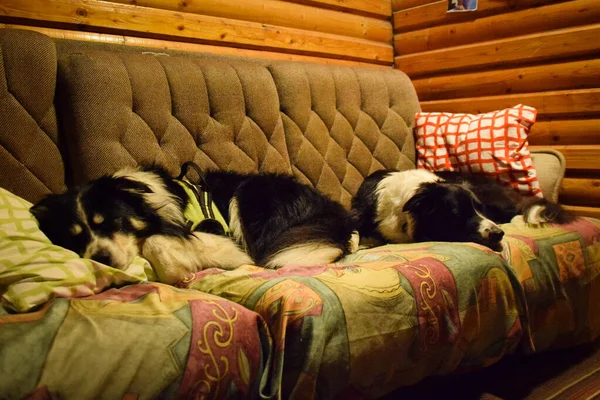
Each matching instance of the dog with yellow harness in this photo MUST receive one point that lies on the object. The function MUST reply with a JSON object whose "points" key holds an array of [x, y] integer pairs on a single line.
{"points": [[220, 219]]}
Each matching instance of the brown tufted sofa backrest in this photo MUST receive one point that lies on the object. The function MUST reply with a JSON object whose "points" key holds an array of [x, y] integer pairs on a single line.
{"points": [[30, 161], [328, 125]]}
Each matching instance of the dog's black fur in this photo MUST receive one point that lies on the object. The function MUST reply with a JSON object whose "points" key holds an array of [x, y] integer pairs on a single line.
{"points": [[57, 215], [502, 203], [456, 208], [276, 213], [364, 207], [449, 213]]}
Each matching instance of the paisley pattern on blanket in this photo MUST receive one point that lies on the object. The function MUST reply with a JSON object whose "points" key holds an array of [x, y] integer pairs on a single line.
{"points": [[379, 318], [359, 328], [558, 267]]}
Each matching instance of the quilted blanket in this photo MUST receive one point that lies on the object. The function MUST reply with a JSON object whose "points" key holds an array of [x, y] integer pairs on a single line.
{"points": [[140, 342], [559, 269], [377, 320], [387, 317]]}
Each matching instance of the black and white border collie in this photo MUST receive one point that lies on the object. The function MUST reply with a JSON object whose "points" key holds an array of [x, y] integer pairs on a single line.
{"points": [[419, 205], [274, 220]]}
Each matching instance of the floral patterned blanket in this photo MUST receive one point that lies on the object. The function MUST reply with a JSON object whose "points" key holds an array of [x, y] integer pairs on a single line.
{"points": [[379, 319]]}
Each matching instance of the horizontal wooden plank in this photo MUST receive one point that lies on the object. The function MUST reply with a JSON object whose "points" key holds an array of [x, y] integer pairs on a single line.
{"points": [[557, 44], [584, 157], [280, 13], [398, 5], [568, 75], [164, 24], [433, 14], [566, 103], [564, 132], [377, 8], [554, 16], [580, 191], [183, 46], [593, 212]]}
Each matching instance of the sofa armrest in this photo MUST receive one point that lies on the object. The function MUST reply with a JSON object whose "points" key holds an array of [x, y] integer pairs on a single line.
{"points": [[550, 168]]}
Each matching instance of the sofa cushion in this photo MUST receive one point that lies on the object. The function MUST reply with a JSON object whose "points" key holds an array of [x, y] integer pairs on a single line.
{"points": [[494, 144], [144, 341], [550, 167], [329, 126], [559, 269], [381, 318], [397, 313], [342, 124], [30, 161], [124, 109]]}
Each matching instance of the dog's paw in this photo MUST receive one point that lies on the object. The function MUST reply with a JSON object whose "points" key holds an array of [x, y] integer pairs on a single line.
{"points": [[536, 215], [540, 214], [166, 256], [354, 242]]}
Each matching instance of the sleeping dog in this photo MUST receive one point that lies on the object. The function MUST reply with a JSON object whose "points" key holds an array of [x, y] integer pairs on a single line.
{"points": [[419, 205], [263, 219]]}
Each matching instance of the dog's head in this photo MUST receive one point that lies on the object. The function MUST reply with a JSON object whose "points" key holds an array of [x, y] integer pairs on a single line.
{"points": [[108, 218], [450, 213]]}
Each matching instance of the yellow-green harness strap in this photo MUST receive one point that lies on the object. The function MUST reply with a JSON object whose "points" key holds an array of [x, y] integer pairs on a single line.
{"points": [[200, 206]]}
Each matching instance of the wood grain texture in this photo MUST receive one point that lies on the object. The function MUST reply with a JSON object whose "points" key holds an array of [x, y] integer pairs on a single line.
{"points": [[378, 8], [593, 212], [280, 13], [554, 16], [433, 14], [161, 24], [398, 5], [183, 46], [584, 157], [556, 76], [544, 54], [566, 103], [560, 43], [565, 132], [580, 191]]}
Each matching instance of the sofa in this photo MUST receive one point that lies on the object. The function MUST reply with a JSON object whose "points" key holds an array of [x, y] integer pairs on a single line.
{"points": [[379, 319]]}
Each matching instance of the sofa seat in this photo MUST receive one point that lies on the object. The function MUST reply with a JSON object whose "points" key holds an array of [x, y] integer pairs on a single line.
{"points": [[142, 341], [559, 269], [391, 315], [384, 317], [379, 319]]}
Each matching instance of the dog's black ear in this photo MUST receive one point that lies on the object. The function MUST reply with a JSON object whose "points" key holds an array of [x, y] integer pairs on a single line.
{"points": [[39, 210], [424, 199], [49, 203], [414, 203]]}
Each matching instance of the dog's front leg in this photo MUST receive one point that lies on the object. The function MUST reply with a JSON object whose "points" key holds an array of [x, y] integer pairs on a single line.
{"points": [[173, 258]]}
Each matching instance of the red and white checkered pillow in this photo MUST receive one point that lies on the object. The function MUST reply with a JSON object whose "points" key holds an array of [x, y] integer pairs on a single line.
{"points": [[494, 143]]}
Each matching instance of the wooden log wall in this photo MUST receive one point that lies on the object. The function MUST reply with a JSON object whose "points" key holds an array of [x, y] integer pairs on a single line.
{"points": [[542, 53], [328, 31]]}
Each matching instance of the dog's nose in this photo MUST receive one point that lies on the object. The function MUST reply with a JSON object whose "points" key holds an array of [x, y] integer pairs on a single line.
{"points": [[102, 257], [495, 234]]}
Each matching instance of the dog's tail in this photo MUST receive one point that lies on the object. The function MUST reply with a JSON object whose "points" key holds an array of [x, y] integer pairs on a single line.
{"points": [[539, 211]]}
